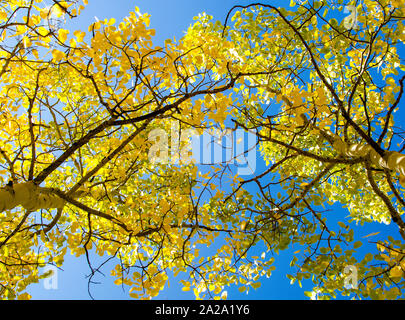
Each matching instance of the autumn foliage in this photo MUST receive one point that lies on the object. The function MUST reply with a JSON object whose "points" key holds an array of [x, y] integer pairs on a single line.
{"points": [[79, 109]]}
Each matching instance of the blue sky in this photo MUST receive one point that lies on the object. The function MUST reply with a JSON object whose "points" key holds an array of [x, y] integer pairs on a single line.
{"points": [[169, 18]]}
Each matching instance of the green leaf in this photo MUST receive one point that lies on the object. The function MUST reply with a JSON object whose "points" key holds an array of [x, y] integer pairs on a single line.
{"points": [[334, 23], [324, 250], [357, 244], [242, 289], [256, 285]]}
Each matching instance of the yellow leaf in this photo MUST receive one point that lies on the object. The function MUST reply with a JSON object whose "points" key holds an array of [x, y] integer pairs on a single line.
{"points": [[35, 53], [134, 295], [57, 55], [42, 31], [322, 98], [3, 16], [396, 272], [63, 34], [256, 285], [44, 13], [73, 43], [299, 120], [371, 234], [58, 11], [74, 226], [97, 25], [79, 35], [385, 257], [380, 247], [392, 293], [20, 30], [24, 296], [27, 42], [164, 205]]}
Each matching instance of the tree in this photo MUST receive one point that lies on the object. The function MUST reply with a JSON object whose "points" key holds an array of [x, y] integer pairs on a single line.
{"points": [[81, 116], [325, 125], [78, 110]]}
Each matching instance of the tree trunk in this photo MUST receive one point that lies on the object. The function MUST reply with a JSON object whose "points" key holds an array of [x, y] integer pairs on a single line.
{"points": [[30, 197]]}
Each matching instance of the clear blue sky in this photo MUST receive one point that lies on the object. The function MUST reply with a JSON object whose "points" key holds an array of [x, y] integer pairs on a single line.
{"points": [[169, 18]]}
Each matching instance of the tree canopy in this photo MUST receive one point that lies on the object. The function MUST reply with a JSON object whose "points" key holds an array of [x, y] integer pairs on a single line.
{"points": [[95, 152]]}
